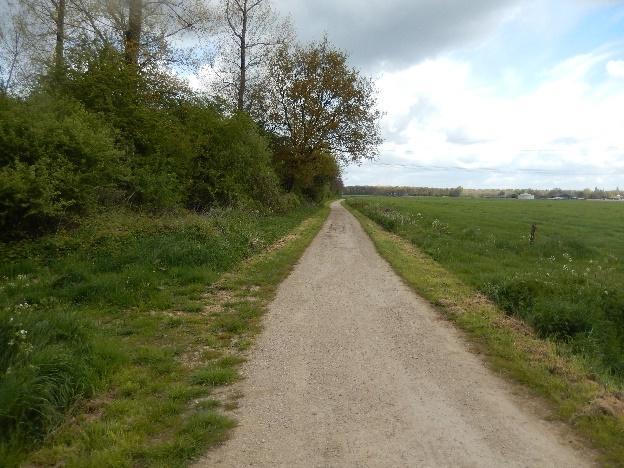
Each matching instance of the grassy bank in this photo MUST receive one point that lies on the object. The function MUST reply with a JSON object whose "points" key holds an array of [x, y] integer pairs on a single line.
{"points": [[114, 335], [591, 403], [566, 284]]}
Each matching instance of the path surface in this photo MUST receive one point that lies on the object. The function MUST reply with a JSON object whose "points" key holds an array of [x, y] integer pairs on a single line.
{"points": [[354, 369]]}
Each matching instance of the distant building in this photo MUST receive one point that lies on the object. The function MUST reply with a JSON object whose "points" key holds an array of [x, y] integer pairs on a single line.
{"points": [[526, 196]]}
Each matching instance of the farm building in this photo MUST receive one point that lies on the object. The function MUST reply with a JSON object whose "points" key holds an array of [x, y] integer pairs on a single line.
{"points": [[526, 196]]}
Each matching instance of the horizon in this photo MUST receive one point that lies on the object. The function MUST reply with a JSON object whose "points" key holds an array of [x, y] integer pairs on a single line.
{"points": [[509, 189]]}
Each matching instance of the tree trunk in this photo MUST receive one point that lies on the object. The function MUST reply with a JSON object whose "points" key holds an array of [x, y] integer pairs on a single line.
{"points": [[60, 34], [133, 33], [243, 59]]}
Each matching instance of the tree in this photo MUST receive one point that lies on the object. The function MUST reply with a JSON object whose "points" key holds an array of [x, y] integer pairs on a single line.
{"points": [[252, 33], [12, 48], [132, 35], [36, 37], [456, 192], [145, 29], [59, 49], [319, 105]]}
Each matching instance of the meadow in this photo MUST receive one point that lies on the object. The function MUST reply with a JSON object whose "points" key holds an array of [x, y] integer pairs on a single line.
{"points": [[567, 284], [109, 344]]}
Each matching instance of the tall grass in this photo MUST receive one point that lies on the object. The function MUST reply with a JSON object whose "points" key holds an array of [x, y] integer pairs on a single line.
{"points": [[70, 302], [567, 284]]}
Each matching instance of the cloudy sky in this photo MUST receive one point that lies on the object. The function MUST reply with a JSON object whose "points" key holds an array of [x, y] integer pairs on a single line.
{"points": [[485, 93]]}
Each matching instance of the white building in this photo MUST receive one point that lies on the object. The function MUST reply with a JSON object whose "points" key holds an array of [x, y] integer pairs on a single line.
{"points": [[526, 196]]}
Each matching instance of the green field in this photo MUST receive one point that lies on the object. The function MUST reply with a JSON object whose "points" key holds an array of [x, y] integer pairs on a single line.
{"points": [[567, 285], [107, 354]]}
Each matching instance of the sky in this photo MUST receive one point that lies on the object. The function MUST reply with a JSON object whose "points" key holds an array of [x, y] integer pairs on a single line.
{"points": [[485, 93]]}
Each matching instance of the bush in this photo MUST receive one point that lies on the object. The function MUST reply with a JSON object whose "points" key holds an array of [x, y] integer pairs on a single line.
{"points": [[232, 165], [141, 107], [105, 134], [181, 149], [53, 155], [315, 177]]}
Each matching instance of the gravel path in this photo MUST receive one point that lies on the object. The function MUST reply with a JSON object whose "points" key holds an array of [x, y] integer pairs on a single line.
{"points": [[354, 369]]}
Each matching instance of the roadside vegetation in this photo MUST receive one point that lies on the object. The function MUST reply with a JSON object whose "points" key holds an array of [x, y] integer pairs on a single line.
{"points": [[126, 194], [549, 314], [128, 323]]}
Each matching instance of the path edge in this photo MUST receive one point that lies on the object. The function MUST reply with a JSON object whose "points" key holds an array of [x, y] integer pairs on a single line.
{"points": [[509, 346]]}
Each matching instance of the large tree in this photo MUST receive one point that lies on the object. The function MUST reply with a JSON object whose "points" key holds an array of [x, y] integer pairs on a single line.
{"points": [[318, 104], [252, 33], [132, 33], [12, 47], [36, 34]]}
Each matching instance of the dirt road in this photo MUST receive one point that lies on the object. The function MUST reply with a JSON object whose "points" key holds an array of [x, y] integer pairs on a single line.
{"points": [[354, 369]]}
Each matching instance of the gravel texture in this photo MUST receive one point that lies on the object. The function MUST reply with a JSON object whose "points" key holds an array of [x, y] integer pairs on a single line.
{"points": [[354, 369]]}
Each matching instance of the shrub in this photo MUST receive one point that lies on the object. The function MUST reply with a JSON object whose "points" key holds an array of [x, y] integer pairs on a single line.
{"points": [[232, 165], [314, 176], [53, 155]]}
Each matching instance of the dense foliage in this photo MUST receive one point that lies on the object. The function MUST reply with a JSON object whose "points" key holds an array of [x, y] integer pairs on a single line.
{"points": [[108, 135], [567, 284]]}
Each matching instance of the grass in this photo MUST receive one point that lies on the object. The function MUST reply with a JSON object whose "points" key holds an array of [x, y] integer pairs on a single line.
{"points": [[430, 258], [566, 285], [114, 335]]}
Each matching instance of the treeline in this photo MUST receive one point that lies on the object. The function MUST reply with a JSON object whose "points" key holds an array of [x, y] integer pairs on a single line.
{"points": [[95, 111], [402, 191], [589, 194]]}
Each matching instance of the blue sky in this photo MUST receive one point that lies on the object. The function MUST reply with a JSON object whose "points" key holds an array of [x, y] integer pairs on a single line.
{"points": [[486, 93]]}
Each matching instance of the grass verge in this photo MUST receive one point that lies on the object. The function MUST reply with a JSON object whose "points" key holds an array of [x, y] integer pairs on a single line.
{"points": [[591, 406], [131, 326]]}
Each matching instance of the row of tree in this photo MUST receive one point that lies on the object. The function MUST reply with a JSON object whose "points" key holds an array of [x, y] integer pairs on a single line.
{"points": [[588, 194], [95, 110], [595, 194], [404, 191]]}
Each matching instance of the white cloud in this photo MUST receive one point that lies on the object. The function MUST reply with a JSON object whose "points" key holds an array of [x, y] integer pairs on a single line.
{"points": [[567, 127], [615, 68], [204, 78]]}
